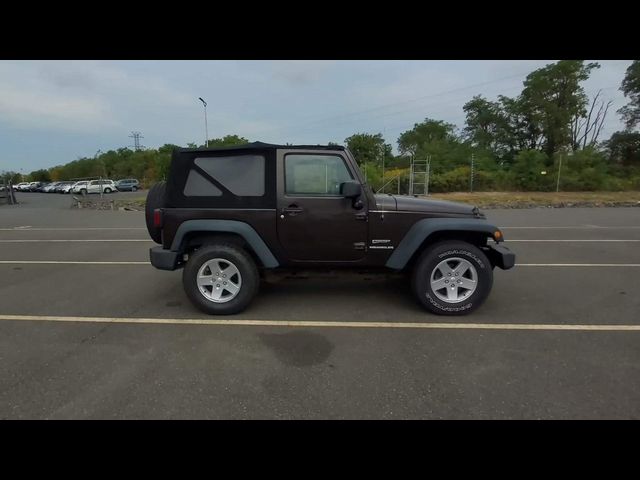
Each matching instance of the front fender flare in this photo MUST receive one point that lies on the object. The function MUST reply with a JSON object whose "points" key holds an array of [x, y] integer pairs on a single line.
{"points": [[243, 229], [427, 226]]}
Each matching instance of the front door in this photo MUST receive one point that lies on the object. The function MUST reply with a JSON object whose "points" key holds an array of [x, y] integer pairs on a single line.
{"points": [[315, 223]]}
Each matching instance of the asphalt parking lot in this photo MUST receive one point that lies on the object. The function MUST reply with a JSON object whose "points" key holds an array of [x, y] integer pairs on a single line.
{"points": [[559, 337]]}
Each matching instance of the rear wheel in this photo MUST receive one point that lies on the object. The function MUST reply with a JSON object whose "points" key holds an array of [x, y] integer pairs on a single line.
{"points": [[107, 190], [452, 278], [220, 279], [134, 189]]}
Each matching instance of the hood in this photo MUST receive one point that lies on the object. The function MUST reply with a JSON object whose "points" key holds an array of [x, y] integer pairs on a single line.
{"points": [[423, 205]]}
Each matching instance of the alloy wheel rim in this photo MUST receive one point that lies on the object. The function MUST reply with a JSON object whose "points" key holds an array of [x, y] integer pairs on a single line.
{"points": [[454, 280], [219, 280]]}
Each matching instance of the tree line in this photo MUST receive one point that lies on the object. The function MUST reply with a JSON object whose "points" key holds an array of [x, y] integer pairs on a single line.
{"points": [[517, 143]]}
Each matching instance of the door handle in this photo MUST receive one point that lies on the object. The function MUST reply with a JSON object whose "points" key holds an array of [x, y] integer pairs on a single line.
{"points": [[292, 210]]}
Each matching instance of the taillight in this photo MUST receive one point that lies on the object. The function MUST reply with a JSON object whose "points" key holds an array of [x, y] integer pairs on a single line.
{"points": [[157, 218]]}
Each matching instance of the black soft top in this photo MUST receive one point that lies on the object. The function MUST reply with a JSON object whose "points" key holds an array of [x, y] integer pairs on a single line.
{"points": [[260, 146], [182, 163]]}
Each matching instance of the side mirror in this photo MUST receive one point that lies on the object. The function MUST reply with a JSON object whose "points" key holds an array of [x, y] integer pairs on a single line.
{"points": [[350, 189]]}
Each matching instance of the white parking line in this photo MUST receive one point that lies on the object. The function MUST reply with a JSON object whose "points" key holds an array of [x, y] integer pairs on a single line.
{"points": [[66, 262], [32, 229], [577, 264], [304, 323], [577, 227], [69, 262], [574, 240], [76, 240], [14, 240]]}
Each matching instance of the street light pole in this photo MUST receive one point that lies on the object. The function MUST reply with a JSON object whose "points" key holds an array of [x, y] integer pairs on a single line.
{"points": [[206, 128]]}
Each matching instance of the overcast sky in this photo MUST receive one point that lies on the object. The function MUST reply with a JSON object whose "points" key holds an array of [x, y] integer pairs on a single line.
{"points": [[52, 112]]}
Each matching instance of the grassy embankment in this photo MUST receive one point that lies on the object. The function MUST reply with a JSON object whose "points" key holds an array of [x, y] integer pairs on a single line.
{"points": [[543, 199]]}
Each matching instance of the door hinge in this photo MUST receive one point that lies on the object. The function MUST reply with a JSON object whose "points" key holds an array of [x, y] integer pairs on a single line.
{"points": [[358, 245], [361, 216]]}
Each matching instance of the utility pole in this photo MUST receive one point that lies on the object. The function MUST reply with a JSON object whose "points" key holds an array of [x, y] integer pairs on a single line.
{"points": [[559, 170], [426, 193], [411, 174], [104, 170], [382, 153], [136, 140], [473, 158], [206, 127]]}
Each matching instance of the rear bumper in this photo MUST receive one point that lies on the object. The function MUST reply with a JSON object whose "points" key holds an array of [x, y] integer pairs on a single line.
{"points": [[501, 257], [164, 259]]}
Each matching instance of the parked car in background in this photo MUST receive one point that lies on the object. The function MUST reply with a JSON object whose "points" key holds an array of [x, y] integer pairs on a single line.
{"points": [[50, 188], [80, 187], [101, 186], [62, 185], [34, 185], [94, 186], [22, 186], [67, 187], [128, 185]]}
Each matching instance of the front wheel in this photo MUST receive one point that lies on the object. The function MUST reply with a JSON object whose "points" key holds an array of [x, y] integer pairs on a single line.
{"points": [[107, 190], [220, 279], [452, 278]]}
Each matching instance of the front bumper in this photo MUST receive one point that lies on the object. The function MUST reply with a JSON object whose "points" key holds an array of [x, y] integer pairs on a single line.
{"points": [[164, 259], [501, 257]]}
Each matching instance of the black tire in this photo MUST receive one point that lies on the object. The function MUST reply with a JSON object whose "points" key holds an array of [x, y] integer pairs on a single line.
{"points": [[156, 198], [242, 261], [107, 190], [427, 263], [133, 189]]}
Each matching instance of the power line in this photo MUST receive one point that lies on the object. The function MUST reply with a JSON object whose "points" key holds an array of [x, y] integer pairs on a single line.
{"points": [[462, 117], [136, 141], [382, 107], [398, 112], [309, 126]]}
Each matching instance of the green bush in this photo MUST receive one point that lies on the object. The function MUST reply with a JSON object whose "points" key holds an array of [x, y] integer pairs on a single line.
{"points": [[527, 171]]}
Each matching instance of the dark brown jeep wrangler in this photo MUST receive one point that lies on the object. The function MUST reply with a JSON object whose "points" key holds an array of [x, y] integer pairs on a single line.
{"points": [[230, 215]]}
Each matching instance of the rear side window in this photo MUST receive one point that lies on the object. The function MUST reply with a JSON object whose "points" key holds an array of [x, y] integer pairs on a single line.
{"points": [[242, 175], [198, 186]]}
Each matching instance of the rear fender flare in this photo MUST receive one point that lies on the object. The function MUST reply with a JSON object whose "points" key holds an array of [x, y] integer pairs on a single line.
{"points": [[243, 229]]}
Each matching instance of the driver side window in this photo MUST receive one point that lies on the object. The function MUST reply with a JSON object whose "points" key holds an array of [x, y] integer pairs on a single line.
{"points": [[319, 175]]}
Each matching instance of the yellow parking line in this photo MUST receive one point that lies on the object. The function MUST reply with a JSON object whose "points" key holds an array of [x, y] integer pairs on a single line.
{"points": [[305, 323]]}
